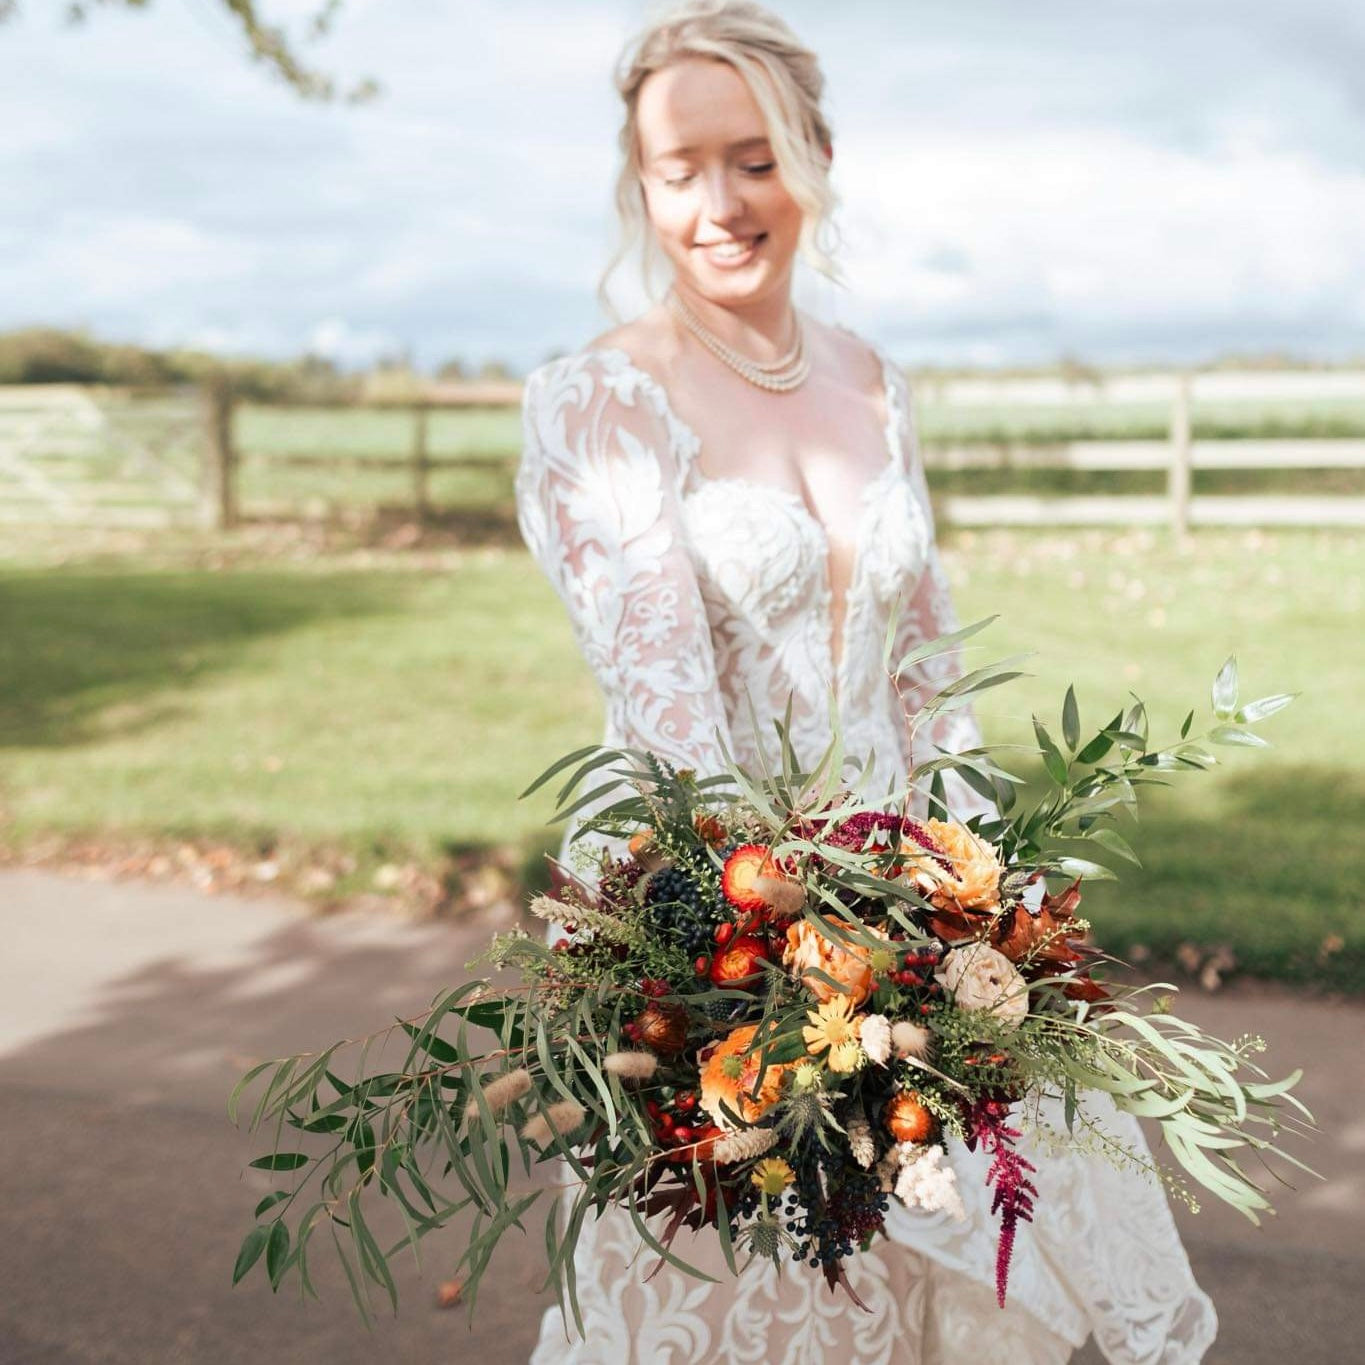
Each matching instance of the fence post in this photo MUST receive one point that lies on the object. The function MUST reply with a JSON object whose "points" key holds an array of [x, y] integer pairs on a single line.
{"points": [[420, 464], [218, 482], [1178, 476]]}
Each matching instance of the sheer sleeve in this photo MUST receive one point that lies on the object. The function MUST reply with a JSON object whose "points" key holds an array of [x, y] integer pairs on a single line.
{"points": [[598, 504], [926, 614]]}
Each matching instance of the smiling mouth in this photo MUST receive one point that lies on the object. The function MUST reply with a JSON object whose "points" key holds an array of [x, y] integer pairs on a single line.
{"points": [[734, 249]]}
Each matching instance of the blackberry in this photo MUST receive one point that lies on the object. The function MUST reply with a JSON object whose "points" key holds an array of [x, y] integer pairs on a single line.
{"points": [[677, 909], [831, 1227], [722, 1010]]}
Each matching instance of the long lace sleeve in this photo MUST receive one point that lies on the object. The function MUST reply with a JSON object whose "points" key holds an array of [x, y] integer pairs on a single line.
{"points": [[598, 505], [927, 614]]}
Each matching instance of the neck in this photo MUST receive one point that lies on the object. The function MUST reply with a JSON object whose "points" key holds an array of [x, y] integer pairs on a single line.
{"points": [[761, 329]]}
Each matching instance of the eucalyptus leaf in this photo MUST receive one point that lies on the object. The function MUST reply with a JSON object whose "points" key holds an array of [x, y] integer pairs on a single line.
{"points": [[1071, 720], [252, 1246], [1224, 693], [1236, 736], [1263, 708]]}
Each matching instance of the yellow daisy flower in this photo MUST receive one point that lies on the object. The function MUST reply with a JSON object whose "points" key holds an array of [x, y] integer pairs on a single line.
{"points": [[772, 1175], [834, 1026]]}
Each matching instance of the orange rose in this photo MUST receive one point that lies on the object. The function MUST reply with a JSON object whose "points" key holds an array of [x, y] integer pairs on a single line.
{"points": [[729, 1076], [973, 883], [848, 964]]}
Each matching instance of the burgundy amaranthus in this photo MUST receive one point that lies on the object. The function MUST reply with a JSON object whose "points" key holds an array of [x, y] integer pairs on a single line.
{"points": [[854, 833], [1009, 1173]]}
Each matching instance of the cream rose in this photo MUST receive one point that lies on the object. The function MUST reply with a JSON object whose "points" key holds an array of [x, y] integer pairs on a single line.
{"points": [[980, 978]]}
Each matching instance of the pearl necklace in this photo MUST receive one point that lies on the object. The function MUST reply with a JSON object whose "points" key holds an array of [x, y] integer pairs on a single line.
{"points": [[777, 376]]}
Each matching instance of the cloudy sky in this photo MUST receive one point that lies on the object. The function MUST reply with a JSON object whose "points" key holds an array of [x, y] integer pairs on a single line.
{"points": [[1114, 179]]}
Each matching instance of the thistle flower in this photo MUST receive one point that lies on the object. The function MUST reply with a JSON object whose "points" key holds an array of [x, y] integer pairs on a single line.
{"points": [[911, 1040], [926, 1183], [875, 1036], [744, 1144], [501, 1092], [633, 1066], [860, 1142], [559, 1119]]}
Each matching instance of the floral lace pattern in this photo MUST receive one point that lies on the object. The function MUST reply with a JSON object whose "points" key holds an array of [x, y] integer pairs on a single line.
{"points": [[691, 604]]}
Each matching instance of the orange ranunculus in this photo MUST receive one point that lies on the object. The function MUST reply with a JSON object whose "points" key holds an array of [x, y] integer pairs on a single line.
{"points": [[730, 1076], [973, 883], [848, 964]]}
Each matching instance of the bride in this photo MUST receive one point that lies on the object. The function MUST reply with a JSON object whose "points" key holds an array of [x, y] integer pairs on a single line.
{"points": [[728, 498]]}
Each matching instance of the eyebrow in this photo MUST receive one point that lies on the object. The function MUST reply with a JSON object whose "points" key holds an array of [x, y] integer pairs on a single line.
{"points": [[733, 147]]}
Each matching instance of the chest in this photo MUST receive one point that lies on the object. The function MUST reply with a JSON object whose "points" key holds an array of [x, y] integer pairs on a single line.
{"points": [[819, 450]]}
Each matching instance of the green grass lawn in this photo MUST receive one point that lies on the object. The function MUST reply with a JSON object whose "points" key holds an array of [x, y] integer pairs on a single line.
{"points": [[395, 704]]}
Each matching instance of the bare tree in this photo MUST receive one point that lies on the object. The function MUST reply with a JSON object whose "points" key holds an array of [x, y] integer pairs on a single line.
{"points": [[267, 43]]}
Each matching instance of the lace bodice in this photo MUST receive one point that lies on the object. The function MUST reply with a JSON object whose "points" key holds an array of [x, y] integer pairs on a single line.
{"points": [[691, 598]]}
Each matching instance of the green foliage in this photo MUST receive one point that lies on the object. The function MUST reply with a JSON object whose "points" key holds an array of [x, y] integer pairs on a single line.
{"points": [[492, 1079]]}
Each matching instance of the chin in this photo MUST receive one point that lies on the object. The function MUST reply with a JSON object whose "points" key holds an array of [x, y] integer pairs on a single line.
{"points": [[732, 287]]}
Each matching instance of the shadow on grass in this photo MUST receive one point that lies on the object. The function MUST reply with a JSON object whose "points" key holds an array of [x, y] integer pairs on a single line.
{"points": [[1274, 872], [87, 653]]}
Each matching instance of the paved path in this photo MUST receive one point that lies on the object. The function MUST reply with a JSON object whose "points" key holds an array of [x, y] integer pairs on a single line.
{"points": [[126, 1012]]}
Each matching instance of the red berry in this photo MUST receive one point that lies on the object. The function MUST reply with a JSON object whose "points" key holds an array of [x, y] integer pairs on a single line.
{"points": [[686, 1103], [682, 1134], [724, 933], [926, 1009], [652, 1109], [701, 966]]}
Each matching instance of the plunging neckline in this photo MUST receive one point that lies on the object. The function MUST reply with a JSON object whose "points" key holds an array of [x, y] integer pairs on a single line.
{"points": [[895, 460]]}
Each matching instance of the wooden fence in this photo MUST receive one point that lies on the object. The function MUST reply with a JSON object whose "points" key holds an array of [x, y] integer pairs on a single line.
{"points": [[49, 434], [1178, 457]]}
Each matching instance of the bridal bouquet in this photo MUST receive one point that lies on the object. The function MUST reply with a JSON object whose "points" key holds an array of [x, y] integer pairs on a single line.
{"points": [[771, 1008]]}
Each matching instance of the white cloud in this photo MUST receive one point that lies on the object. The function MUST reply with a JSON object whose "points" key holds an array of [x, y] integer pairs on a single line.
{"points": [[1104, 180]]}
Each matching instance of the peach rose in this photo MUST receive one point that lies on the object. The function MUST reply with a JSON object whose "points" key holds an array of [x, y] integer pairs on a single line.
{"points": [[848, 964], [974, 881]]}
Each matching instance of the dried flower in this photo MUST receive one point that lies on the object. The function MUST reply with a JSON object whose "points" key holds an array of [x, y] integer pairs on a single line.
{"points": [[785, 898], [660, 1027], [974, 881], [744, 1144], [980, 978], [875, 1036], [926, 1182], [911, 1040], [860, 1142], [834, 1026], [501, 1092], [559, 1119], [772, 1175], [908, 1118], [730, 1077], [633, 1066], [547, 908]]}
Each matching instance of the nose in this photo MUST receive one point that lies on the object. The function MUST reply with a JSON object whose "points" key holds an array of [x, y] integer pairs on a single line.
{"points": [[724, 203]]}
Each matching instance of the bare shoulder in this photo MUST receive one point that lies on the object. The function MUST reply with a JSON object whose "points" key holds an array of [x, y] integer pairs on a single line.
{"points": [[649, 341], [849, 359]]}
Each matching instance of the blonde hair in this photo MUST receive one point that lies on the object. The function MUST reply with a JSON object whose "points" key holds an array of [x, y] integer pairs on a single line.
{"points": [[785, 80]]}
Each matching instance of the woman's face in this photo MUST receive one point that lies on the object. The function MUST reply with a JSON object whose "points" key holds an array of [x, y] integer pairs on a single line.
{"points": [[712, 190]]}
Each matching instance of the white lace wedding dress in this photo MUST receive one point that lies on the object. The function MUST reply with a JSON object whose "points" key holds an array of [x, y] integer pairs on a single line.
{"points": [[690, 595]]}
